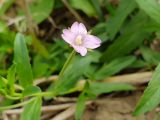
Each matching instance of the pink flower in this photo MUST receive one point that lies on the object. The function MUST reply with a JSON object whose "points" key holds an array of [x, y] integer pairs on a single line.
{"points": [[79, 39]]}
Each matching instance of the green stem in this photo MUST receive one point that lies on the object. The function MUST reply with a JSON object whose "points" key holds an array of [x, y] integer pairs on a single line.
{"points": [[53, 86], [17, 105], [42, 94], [67, 63], [12, 98]]}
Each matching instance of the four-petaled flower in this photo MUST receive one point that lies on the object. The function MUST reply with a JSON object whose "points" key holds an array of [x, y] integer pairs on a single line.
{"points": [[78, 37]]}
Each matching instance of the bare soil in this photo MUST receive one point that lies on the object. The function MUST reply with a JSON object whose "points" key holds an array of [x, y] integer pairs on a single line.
{"points": [[117, 108]]}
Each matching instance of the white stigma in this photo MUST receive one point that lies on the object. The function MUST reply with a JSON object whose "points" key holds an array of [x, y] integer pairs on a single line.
{"points": [[78, 40]]}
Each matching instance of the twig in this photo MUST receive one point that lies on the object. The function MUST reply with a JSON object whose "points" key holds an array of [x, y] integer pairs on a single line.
{"points": [[49, 108], [65, 114], [31, 26], [135, 78], [46, 79], [46, 116], [56, 107], [77, 16], [4, 116], [65, 99], [32, 29], [11, 21], [52, 22]]}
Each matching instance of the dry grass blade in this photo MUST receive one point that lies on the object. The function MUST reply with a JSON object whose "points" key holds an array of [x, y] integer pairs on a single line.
{"points": [[65, 114], [50, 108], [134, 78], [76, 15]]}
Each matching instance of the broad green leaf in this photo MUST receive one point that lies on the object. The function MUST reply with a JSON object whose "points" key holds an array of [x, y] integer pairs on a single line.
{"points": [[22, 62], [151, 97], [41, 9], [101, 88], [115, 22], [83, 5], [11, 78], [31, 90], [114, 67], [151, 7], [152, 57], [129, 40], [32, 111]]}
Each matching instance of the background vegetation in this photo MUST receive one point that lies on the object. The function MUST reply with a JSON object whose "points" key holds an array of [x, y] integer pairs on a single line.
{"points": [[31, 47]]}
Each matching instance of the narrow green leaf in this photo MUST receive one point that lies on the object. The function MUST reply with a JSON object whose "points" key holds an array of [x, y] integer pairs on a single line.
{"points": [[129, 40], [124, 9], [151, 7], [2, 82], [83, 97], [139, 63], [97, 7], [114, 67], [152, 57], [110, 8], [151, 97], [80, 106], [11, 106], [11, 78], [152, 26], [32, 110], [22, 62], [40, 48], [101, 88]]}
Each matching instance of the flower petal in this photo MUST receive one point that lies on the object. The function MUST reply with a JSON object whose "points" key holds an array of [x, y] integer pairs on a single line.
{"points": [[78, 28], [80, 49], [82, 29], [75, 27], [91, 42], [68, 36]]}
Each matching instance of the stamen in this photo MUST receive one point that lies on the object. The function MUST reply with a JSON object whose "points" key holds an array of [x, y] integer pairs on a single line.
{"points": [[79, 40]]}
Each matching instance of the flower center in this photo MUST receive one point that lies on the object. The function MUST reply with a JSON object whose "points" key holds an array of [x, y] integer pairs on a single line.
{"points": [[78, 40]]}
